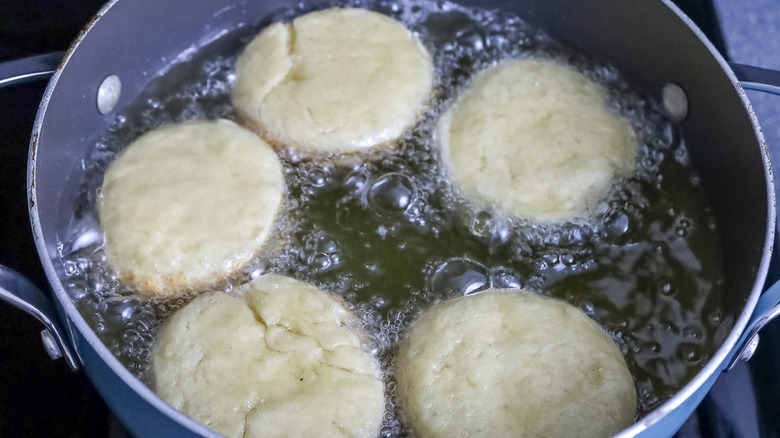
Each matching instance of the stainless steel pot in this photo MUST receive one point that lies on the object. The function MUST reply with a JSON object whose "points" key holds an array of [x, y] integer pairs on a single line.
{"points": [[650, 41]]}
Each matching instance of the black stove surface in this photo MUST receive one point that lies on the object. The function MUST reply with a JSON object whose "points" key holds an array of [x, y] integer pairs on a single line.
{"points": [[41, 397]]}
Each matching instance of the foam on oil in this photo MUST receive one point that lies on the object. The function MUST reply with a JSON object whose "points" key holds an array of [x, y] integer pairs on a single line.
{"points": [[390, 234]]}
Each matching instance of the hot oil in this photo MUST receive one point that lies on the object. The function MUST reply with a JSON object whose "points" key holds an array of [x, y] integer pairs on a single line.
{"points": [[387, 231]]}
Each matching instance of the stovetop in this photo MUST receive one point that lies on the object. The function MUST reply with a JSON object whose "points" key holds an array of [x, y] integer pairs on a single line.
{"points": [[40, 397]]}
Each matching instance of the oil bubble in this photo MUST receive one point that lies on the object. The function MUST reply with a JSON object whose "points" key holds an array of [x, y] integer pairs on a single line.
{"points": [[653, 347], [493, 230], [322, 241], [355, 180], [117, 311], [319, 261], [692, 332], [459, 276], [505, 278], [473, 38], [689, 353], [392, 193], [617, 223], [317, 177], [715, 318]]}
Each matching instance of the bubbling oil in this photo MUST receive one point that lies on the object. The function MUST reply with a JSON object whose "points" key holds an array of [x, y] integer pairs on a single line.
{"points": [[387, 231]]}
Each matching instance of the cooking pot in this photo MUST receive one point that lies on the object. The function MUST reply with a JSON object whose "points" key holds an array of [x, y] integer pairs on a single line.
{"points": [[656, 47]]}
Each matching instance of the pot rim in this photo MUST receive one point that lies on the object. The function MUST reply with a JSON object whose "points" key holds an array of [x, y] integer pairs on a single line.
{"points": [[713, 366]]}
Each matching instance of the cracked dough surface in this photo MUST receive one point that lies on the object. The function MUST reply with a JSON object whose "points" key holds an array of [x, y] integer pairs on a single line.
{"points": [[512, 363], [536, 138], [185, 205], [280, 360], [334, 80]]}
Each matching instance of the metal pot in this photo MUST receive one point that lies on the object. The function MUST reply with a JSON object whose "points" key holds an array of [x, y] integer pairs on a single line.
{"points": [[650, 41]]}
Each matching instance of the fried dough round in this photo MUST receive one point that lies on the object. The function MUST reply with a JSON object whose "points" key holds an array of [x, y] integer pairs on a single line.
{"points": [[512, 363], [186, 205], [283, 359], [335, 80], [536, 138]]}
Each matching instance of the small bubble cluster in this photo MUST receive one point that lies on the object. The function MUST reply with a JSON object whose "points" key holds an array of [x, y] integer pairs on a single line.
{"points": [[319, 252]]}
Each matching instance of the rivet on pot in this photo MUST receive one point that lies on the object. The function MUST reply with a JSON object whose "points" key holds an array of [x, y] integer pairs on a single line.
{"points": [[746, 352], [108, 94], [675, 101], [50, 344], [750, 348]]}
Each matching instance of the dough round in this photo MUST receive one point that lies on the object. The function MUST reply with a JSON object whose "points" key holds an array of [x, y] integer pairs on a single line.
{"points": [[512, 363], [536, 138], [280, 360], [334, 80], [185, 205]]}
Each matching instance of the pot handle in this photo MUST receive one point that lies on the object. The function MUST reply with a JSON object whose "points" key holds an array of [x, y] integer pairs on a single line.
{"points": [[767, 309], [29, 69], [757, 78], [19, 292], [14, 288]]}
